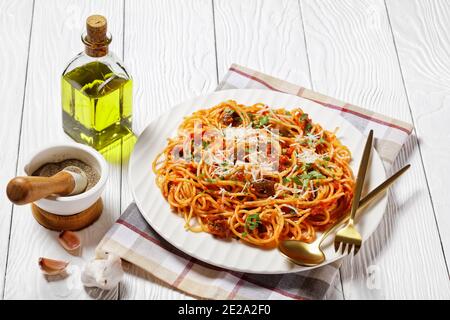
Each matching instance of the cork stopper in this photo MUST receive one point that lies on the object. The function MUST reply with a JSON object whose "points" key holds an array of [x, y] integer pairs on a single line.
{"points": [[96, 27], [96, 39]]}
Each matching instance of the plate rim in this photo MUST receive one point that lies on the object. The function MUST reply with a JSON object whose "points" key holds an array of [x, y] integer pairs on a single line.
{"points": [[295, 269]]}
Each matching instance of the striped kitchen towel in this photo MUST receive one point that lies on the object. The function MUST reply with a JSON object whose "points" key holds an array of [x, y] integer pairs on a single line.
{"points": [[133, 239]]}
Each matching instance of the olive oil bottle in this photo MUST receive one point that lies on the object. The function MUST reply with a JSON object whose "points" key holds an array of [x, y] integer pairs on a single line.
{"points": [[96, 91]]}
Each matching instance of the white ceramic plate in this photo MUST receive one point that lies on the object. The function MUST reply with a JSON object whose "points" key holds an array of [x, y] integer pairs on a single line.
{"points": [[235, 255]]}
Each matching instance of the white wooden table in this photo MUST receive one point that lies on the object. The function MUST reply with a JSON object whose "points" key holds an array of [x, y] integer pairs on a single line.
{"points": [[390, 56]]}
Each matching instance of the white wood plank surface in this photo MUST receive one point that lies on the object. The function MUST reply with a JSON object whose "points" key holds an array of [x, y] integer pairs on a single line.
{"points": [[170, 50], [15, 23], [421, 31], [57, 26], [353, 58], [266, 36], [391, 58], [263, 35]]}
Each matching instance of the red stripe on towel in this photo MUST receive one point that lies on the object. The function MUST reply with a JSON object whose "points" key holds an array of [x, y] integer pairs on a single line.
{"points": [[235, 289], [254, 78], [183, 274], [364, 116]]}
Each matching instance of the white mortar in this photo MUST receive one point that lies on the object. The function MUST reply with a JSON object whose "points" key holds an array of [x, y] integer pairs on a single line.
{"points": [[56, 153]]}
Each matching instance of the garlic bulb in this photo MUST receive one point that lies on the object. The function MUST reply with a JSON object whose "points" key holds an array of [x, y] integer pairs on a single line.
{"points": [[103, 273]]}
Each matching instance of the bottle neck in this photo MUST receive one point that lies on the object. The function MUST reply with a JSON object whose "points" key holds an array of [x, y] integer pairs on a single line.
{"points": [[96, 52], [96, 49]]}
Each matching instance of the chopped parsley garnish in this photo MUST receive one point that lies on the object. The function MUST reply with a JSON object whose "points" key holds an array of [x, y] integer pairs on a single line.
{"points": [[210, 180], [305, 183], [303, 117], [296, 180], [286, 180], [263, 121], [205, 144], [326, 158], [305, 178], [287, 112], [244, 234], [316, 175], [306, 166], [252, 221]]}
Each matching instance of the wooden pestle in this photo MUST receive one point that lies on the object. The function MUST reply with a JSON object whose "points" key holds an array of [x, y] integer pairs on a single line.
{"points": [[23, 190]]}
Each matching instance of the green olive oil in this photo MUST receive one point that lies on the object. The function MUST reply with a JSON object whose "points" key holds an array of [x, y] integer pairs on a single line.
{"points": [[97, 105]]}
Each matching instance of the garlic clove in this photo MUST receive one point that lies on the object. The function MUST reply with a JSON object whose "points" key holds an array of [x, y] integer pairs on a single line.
{"points": [[70, 241], [52, 267], [103, 273]]}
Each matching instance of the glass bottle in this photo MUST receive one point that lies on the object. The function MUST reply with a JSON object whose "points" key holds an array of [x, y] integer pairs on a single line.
{"points": [[96, 91]]}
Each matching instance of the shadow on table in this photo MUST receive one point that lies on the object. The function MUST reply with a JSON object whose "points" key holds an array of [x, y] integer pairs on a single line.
{"points": [[360, 265]]}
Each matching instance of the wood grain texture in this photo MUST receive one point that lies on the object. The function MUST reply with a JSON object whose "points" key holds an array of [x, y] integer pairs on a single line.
{"points": [[57, 26], [170, 51], [267, 36], [353, 58], [15, 23], [421, 32]]}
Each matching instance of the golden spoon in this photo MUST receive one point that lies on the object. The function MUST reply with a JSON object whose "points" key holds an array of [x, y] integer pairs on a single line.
{"points": [[310, 254]]}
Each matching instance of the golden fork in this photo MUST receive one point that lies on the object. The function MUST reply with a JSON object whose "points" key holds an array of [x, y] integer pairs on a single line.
{"points": [[348, 237]]}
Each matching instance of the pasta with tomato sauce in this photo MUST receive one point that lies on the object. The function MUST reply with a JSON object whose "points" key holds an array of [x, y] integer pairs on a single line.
{"points": [[255, 173]]}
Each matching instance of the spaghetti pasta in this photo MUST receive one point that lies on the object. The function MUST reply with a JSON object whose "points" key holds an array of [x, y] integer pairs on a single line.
{"points": [[255, 173]]}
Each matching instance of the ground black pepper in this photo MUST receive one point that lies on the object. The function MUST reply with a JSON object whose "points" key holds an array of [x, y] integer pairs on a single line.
{"points": [[50, 169]]}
